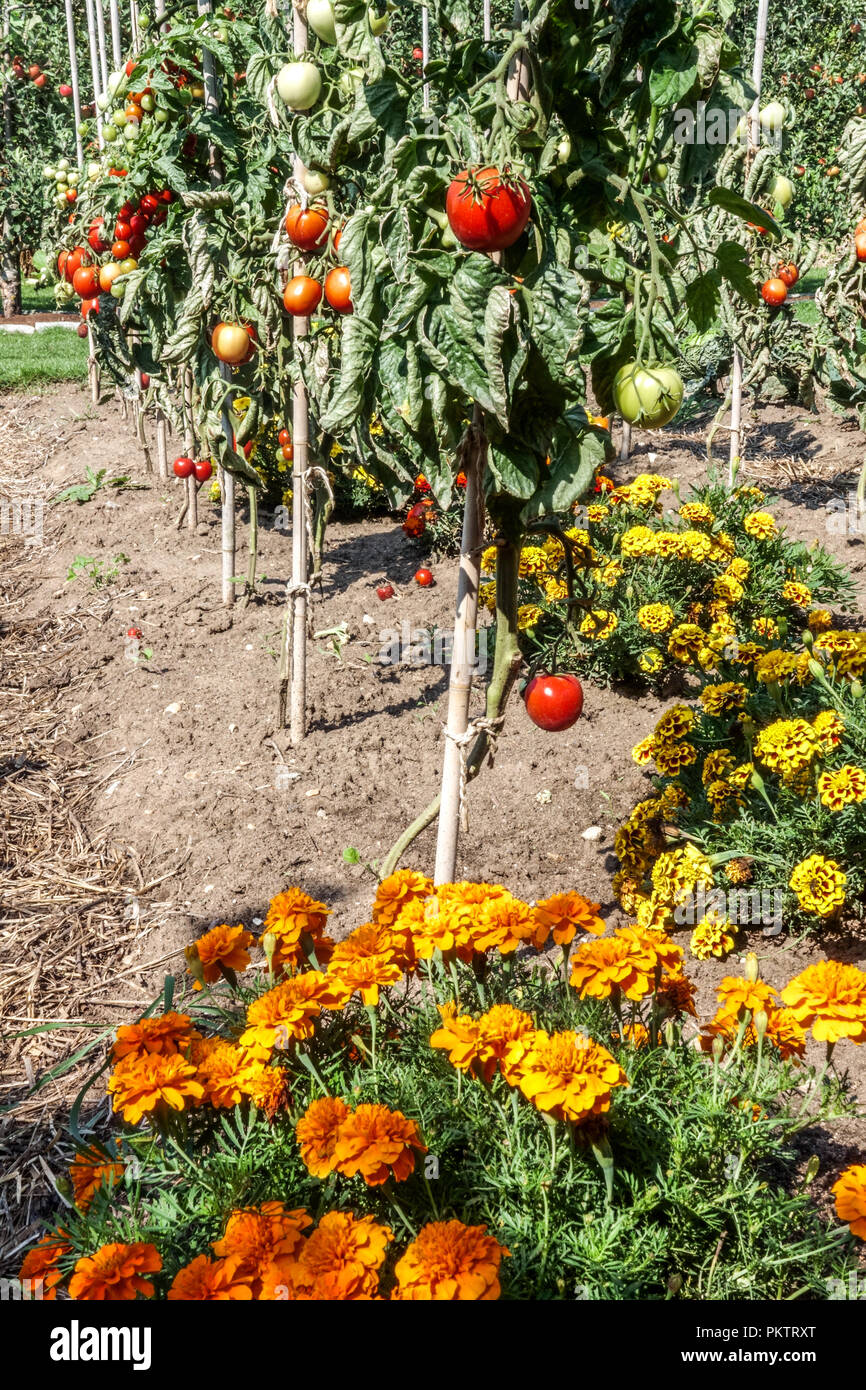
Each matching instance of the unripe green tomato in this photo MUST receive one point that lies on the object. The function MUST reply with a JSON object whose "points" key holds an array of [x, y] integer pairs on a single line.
{"points": [[315, 182], [773, 116], [117, 291], [147, 102], [109, 132], [118, 117], [116, 81], [320, 18], [563, 150], [72, 177], [83, 128], [60, 200], [160, 115], [299, 85], [63, 164], [132, 132], [103, 101], [61, 186], [782, 190], [49, 174], [659, 172], [378, 22], [94, 169]]}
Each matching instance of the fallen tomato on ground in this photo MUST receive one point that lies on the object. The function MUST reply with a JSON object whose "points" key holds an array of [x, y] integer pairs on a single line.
{"points": [[424, 578]]}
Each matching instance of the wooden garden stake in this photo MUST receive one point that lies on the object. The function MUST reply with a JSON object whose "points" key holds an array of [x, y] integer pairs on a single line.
{"points": [[100, 41], [94, 69], [299, 587], [76, 94], [754, 137], [116, 42]]}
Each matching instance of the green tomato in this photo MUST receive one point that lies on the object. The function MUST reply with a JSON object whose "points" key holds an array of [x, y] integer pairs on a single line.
{"points": [[117, 291], [314, 182], [378, 22], [110, 132], [83, 128], [659, 172], [63, 164], [49, 174], [160, 115], [320, 18], [299, 85], [147, 102], [563, 150], [647, 396], [349, 80], [773, 116], [103, 101], [782, 190], [60, 200], [118, 117], [61, 186], [72, 177], [116, 81]]}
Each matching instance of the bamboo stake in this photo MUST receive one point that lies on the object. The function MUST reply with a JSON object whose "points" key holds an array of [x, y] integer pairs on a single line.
{"points": [[94, 69], [73, 77], [161, 426], [116, 43], [754, 138], [300, 445], [133, 22], [425, 50], [100, 40]]}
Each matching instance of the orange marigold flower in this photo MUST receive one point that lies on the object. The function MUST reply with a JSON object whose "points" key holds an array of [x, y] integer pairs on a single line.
{"points": [[439, 926], [502, 923], [565, 1074], [223, 948], [396, 891], [115, 1273], [366, 960], [220, 1068], [377, 1143], [289, 1010], [564, 915], [296, 920], [459, 1035], [340, 1261], [783, 1032], [167, 1034], [738, 996], [480, 1044], [316, 1133], [88, 1172], [850, 1194], [39, 1266], [266, 1086], [140, 1084], [830, 998], [675, 996], [611, 966], [265, 1241], [208, 1281], [450, 1261]]}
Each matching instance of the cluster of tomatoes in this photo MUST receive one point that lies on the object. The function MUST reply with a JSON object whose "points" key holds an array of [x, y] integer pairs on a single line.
{"points": [[775, 290], [307, 229], [89, 279], [33, 74], [200, 469]]}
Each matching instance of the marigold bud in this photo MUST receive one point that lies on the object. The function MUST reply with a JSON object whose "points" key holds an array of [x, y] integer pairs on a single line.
{"points": [[751, 971], [268, 943], [193, 963], [718, 1049], [760, 1022]]}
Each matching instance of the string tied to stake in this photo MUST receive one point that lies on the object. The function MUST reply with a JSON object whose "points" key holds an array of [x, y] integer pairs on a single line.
{"points": [[479, 725]]}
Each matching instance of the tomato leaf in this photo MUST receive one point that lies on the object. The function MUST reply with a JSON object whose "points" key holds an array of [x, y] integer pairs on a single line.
{"points": [[733, 262], [702, 300], [739, 206], [673, 76]]}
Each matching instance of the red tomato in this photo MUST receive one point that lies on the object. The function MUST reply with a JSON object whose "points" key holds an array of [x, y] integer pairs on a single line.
{"points": [[860, 245], [283, 438], [148, 205], [288, 452], [301, 296], [126, 212], [137, 226], [788, 273], [338, 290], [122, 230], [418, 55], [145, 381], [136, 245], [554, 703], [88, 307], [94, 236], [81, 330], [62, 258], [130, 67], [307, 228], [77, 257], [424, 578], [85, 281], [231, 342], [203, 470], [166, 196], [485, 213], [183, 467], [385, 591], [338, 238], [774, 292], [120, 250]]}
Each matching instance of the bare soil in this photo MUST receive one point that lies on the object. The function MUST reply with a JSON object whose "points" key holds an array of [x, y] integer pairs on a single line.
{"points": [[191, 779]]}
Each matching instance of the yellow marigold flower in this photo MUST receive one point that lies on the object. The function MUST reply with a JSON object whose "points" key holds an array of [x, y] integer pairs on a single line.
{"points": [[728, 589], [739, 568], [696, 546], [775, 666], [395, 891], [223, 948], [651, 661], [675, 996], [755, 494], [819, 620], [724, 799], [208, 1281], [316, 1133], [488, 559], [671, 758], [697, 513], [555, 590], [787, 746], [139, 1084], [819, 884], [599, 625], [289, 1010], [450, 1262], [655, 617], [850, 1193], [830, 998], [797, 593], [266, 1086], [675, 722], [739, 996], [502, 924], [366, 960], [844, 787], [626, 890], [829, 728], [609, 967], [116, 1273], [711, 938], [533, 562], [340, 1261], [637, 541], [723, 698], [565, 1075], [167, 1034], [654, 913], [377, 1143], [766, 627], [760, 525], [487, 597], [562, 916], [644, 752], [739, 871], [529, 615], [611, 573], [478, 1045], [597, 512], [670, 545], [685, 641], [678, 872], [89, 1172], [637, 1034]]}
